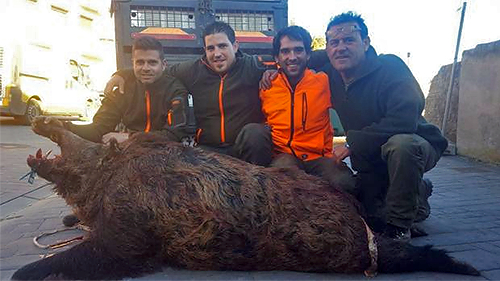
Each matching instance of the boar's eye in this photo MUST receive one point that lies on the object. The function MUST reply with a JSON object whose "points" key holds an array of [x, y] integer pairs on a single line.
{"points": [[53, 137]]}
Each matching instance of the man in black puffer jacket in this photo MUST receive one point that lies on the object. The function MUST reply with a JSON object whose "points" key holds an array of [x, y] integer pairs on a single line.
{"points": [[225, 87], [390, 144]]}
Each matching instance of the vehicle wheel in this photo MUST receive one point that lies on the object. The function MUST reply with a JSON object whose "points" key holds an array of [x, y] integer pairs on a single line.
{"points": [[33, 110]]}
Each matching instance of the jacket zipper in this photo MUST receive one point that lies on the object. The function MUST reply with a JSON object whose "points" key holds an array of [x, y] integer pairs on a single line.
{"points": [[292, 106], [221, 105], [198, 134], [304, 111], [148, 112], [221, 109]]}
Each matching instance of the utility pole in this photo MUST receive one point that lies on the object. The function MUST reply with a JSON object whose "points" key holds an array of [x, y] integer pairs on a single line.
{"points": [[452, 76], [206, 10]]}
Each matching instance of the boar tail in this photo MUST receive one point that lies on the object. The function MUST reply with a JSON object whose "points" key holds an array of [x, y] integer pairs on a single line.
{"points": [[396, 256]]}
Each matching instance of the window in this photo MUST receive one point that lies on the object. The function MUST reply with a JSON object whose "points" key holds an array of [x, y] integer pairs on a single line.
{"points": [[1, 58], [58, 9], [1, 67], [245, 20], [85, 22], [154, 16]]}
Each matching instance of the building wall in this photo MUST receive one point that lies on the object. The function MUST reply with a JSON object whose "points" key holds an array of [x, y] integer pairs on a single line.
{"points": [[478, 126]]}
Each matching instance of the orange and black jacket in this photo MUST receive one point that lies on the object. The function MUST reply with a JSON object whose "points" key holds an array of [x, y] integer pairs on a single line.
{"points": [[223, 104], [299, 118], [142, 108]]}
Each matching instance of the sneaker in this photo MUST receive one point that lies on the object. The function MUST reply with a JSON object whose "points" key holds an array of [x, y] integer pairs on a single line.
{"points": [[397, 233], [70, 220], [424, 209]]}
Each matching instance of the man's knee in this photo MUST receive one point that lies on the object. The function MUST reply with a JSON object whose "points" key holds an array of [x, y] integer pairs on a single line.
{"points": [[285, 160], [254, 133], [401, 143], [253, 144], [344, 175], [409, 150], [401, 146]]}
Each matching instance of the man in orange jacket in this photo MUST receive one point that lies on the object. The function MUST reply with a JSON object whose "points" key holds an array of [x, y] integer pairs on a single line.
{"points": [[296, 107]]}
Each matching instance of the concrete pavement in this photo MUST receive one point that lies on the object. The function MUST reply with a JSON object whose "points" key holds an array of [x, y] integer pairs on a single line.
{"points": [[465, 220]]}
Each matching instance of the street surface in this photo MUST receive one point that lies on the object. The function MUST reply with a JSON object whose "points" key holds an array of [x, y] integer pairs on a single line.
{"points": [[465, 217]]}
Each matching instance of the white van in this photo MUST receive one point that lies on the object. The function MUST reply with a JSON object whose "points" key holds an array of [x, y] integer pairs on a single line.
{"points": [[34, 83], [53, 54]]}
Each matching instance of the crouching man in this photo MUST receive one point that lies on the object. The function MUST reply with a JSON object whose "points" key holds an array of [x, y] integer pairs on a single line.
{"points": [[296, 107], [147, 99], [380, 105], [147, 105]]}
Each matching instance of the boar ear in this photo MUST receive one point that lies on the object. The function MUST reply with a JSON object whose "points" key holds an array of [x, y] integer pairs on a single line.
{"points": [[114, 148]]}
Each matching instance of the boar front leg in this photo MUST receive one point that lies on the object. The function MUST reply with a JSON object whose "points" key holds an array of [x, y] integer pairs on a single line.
{"points": [[87, 261]]}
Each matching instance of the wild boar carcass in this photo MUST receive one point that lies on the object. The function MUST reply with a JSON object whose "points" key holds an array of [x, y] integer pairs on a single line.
{"points": [[150, 203]]}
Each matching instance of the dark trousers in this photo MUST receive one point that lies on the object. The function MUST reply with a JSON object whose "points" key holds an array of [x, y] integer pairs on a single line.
{"points": [[389, 186], [339, 176], [253, 145]]}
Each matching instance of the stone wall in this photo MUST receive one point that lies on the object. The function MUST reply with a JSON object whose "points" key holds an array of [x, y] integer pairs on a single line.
{"points": [[436, 100], [478, 124]]}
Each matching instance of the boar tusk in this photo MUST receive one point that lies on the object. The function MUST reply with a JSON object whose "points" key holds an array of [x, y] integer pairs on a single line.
{"points": [[39, 153]]}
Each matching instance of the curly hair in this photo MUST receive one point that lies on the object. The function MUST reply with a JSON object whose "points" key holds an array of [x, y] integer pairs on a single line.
{"points": [[293, 32]]}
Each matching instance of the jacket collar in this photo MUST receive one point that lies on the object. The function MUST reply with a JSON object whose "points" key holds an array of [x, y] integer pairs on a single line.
{"points": [[307, 74]]}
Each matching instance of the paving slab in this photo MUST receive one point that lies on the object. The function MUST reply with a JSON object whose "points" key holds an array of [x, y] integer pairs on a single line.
{"points": [[6, 274], [492, 274]]}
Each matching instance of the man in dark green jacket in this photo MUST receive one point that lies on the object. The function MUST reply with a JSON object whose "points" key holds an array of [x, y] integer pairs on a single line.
{"points": [[390, 144], [224, 84], [146, 100]]}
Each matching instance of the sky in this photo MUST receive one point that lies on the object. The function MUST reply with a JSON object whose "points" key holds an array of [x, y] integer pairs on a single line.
{"points": [[427, 29]]}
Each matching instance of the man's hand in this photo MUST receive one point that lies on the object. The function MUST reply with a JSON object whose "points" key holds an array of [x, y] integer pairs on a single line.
{"points": [[120, 137], [267, 77], [341, 153], [115, 81]]}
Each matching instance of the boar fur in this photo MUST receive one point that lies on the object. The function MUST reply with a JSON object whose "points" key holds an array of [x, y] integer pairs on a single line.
{"points": [[151, 203]]}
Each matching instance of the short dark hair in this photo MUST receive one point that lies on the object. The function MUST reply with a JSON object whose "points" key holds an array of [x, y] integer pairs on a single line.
{"points": [[293, 32], [219, 27], [350, 17], [147, 43]]}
